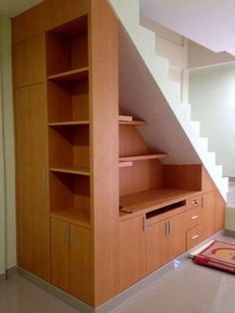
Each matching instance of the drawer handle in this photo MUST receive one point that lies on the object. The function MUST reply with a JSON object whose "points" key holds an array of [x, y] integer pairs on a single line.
{"points": [[195, 202], [195, 217], [195, 237]]}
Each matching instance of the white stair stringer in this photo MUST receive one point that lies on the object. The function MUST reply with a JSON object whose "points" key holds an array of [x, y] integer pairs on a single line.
{"points": [[144, 40]]}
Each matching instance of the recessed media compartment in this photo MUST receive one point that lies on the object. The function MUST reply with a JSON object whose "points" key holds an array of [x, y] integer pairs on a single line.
{"points": [[165, 209]]}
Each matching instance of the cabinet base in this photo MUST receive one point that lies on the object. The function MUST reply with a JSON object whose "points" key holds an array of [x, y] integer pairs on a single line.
{"points": [[118, 299]]}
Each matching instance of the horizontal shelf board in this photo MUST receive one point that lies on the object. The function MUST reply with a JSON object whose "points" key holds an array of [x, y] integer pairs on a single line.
{"points": [[70, 170], [73, 75], [69, 123], [132, 123], [73, 215], [142, 157], [126, 118], [125, 164], [154, 198]]}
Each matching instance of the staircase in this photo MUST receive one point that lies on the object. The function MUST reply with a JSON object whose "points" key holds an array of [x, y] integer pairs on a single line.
{"points": [[143, 39]]}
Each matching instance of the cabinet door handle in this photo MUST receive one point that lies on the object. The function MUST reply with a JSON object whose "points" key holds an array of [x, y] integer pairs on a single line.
{"points": [[144, 224], [166, 228], [169, 228], [67, 235], [195, 237], [195, 217], [43, 184]]}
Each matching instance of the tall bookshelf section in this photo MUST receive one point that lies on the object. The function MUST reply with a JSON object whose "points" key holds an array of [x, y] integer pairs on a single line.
{"points": [[69, 121]]}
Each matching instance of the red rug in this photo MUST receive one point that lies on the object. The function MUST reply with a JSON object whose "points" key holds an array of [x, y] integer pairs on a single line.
{"points": [[219, 255]]}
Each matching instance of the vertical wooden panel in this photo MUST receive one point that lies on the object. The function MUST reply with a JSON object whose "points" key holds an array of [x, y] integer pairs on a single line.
{"points": [[80, 264], [132, 251], [32, 180], [60, 234], [104, 141], [29, 62]]}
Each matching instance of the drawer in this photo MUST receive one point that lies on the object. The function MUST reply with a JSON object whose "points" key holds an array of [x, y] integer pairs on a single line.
{"points": [[193, 237], [194, 217], [195, 202]]}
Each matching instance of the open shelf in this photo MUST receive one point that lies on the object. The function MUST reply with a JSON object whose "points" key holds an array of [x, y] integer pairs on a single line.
{"points": [[70, 197], [156, 198], [129, 121], [70, 149], [142, 157], [75, 171], [73, 75], [76, 216], [67, 50], [69, 123]]}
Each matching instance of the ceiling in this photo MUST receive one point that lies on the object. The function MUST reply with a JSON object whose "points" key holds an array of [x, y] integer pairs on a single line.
{"points": [[210, 23], [14, 7]]}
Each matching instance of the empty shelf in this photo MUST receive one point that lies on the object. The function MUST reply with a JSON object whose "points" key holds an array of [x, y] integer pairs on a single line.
{"points": [[73, 215], [74, 171], [73, 75], [142, 157], [69, 123]]}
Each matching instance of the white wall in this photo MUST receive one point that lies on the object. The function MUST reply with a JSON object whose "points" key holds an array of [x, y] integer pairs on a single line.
{"points": [[173, 47], [7, 209], [212, 96]]}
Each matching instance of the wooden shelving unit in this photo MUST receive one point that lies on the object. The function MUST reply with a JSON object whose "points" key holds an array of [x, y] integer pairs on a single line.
{"points": [[69, 121]]}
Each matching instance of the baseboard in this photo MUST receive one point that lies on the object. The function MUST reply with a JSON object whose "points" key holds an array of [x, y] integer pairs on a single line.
{"points": [[231, 179], [9, 272], [2, 277]]}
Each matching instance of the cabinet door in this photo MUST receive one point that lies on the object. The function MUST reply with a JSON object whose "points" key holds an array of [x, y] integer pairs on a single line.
{"points": [[176, 236], [207, 223], [32, 180], [80, 263], [132, 251], [60, 239], [156, 245]]}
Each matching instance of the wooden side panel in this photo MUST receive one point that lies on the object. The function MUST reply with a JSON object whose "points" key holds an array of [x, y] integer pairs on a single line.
{"points": [[29, 62], [208, 220], [60, 254], [46, 15], [219, 203], [187, 177], [80, 264], [219, 211], [104, 141], [132, 251], [32, 180]]}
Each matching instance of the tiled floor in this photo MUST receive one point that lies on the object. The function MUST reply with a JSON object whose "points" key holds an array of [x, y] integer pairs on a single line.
{"points": [[187, 288]]}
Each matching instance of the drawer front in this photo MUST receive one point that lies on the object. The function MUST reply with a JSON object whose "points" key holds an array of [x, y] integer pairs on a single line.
{"points": [[194, 217], [193, 237], [195, 202]]}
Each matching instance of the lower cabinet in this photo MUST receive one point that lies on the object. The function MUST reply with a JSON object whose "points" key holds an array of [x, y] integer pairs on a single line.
{"points": [[70, 259], [165, 240], [152, 239], [132, 251]]}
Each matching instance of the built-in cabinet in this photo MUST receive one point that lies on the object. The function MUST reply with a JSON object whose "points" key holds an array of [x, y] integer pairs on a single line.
{"points": [[97, 210]]}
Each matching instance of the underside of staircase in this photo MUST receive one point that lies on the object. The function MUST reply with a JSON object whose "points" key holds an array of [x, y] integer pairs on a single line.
{"points": [[147, 92]]}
